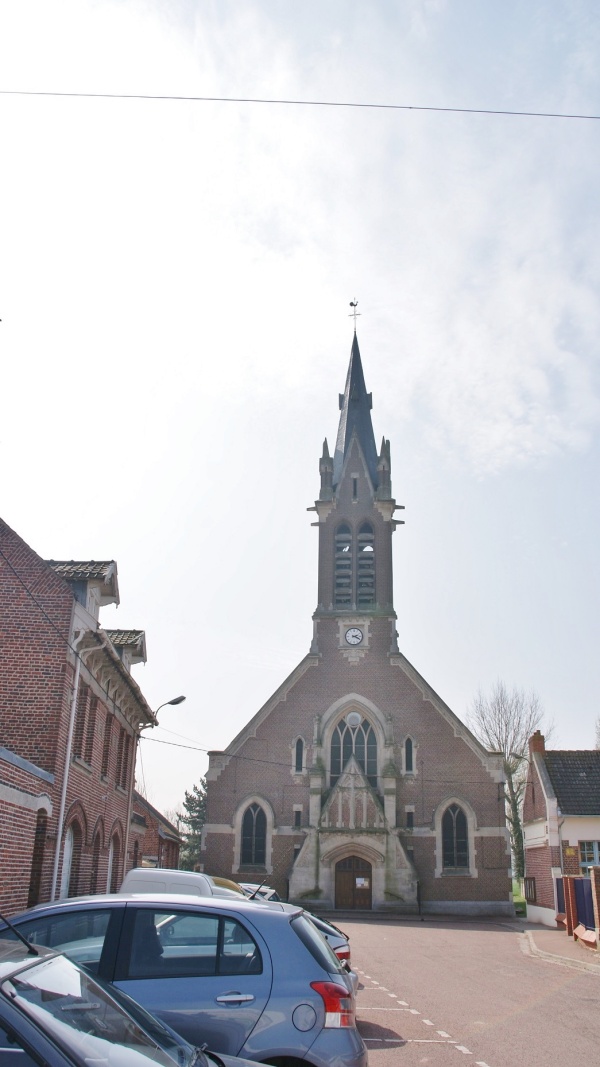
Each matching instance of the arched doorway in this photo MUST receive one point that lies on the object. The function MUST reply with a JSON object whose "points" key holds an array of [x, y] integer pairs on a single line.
{"points": [[353, 883]]}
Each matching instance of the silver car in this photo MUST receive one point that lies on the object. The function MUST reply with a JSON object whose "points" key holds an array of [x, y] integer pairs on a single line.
{"points": [[53, 1013], [249, 979]]}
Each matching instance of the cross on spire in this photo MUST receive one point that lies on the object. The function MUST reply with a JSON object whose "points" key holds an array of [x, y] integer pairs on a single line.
{"points": [[354, 313]]}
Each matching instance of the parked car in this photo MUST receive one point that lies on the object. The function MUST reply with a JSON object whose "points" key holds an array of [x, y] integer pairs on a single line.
{"points": [[55, 1014], [249, 978], [255, 889], [226, 883], [166, 880]]}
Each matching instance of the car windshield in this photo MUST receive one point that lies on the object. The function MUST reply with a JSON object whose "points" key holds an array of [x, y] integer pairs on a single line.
{"points": [[84, 1019]]}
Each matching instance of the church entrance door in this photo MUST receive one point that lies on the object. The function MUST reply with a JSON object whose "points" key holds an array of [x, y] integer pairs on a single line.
{"points": [[353, 883]]}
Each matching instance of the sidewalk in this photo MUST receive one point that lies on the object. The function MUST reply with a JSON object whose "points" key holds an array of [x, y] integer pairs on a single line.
{"points": [[556, 945]]}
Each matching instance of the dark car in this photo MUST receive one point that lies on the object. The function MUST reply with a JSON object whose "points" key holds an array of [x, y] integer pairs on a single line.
{"points": [[52, 1013], [250, 979]]}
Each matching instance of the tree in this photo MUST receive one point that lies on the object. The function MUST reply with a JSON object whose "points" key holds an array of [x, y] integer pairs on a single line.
{"points": [[192, 819], [504, 721]]}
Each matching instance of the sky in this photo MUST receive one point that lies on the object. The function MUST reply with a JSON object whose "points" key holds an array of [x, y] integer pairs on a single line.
{"points": [[175, 280]]}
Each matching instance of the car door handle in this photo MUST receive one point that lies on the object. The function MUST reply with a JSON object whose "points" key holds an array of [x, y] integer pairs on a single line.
{"points": [[234, 998]]}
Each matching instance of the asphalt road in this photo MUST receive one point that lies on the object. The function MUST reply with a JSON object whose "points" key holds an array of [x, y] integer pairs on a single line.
{"points": [[434, 992]]}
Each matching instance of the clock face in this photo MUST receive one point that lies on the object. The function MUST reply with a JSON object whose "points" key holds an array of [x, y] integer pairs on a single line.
{"points": [[354, 636]]}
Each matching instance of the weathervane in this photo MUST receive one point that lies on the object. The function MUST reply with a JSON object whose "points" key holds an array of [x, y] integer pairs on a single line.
{"points": [[353, 314]]}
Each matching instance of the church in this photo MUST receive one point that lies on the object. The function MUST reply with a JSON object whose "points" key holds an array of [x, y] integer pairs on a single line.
{"points": [[355, 786]]}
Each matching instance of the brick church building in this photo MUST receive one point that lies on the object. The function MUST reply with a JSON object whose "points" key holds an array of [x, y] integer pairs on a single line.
{"points": [[356, 786]]}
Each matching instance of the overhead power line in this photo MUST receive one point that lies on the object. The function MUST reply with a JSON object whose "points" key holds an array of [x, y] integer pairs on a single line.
{"points": [[298, 103]]}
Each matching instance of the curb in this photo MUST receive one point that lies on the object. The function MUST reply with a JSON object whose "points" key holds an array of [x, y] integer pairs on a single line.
{"points": [[551, 957]]}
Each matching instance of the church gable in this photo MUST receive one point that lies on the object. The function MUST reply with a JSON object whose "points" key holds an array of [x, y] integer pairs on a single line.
{"points": [[352, 803], [356, 771]]}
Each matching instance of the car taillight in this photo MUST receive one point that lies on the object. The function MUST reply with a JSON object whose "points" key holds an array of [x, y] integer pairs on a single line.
{"points": [[338, 1002], [343, 952]]}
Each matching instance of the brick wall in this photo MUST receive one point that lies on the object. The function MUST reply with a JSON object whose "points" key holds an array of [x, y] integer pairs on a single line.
{"points": [[36, 687]]}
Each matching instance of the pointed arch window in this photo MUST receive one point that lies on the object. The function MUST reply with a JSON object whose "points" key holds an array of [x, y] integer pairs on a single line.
{"points": [[299, 756], [357, 740], [365, 591], [455, 838], [114, 864], [408, 756], [254, 836], [69, 883], [344, 577], [37, 859], [96, 847]]}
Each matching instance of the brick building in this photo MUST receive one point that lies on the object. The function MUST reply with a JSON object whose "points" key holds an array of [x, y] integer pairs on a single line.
{"points": [[561, 822], [155, 842], [70, 718], [356, 786]]}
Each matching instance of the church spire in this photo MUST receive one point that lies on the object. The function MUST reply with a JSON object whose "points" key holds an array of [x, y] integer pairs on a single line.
{"points": [[355, 418]]}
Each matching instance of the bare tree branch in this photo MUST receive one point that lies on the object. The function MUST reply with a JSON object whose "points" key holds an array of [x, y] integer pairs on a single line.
{"points": [[504, 721]]}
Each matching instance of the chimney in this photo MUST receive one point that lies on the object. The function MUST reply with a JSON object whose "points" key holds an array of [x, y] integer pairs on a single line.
{"points": [[537, 743]]}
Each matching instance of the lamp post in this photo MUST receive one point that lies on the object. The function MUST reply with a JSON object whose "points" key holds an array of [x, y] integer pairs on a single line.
{"points": [[175, 700]]}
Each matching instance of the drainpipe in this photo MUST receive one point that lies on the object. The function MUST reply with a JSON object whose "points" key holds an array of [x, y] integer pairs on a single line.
{"points": [[65, 782], [136, 738]]}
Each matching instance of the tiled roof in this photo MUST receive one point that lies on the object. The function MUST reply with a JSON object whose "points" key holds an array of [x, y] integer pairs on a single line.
{"points": [[119, 638], [575, 777], [77, 571]]}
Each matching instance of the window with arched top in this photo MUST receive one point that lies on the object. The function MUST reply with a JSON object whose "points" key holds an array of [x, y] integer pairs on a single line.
{"points": [[37, 858], [455, 838], [114, 864], [355, 738], [344, 576], [408, 756], [254, 836], [96, 849], [365, 578], [69, 882], [299, 756]]}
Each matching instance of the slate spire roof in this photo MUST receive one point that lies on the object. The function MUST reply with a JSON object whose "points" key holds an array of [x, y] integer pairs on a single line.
{"points": [[355, 418]]}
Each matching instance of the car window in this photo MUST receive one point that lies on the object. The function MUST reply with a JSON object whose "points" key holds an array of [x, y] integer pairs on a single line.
{"points": [[79, 934], [316, 944], [81, 1016], [13, 1053], [171, 944]]}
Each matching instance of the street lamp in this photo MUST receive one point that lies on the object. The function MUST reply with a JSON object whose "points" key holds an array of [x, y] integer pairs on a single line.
{"points": [[175, 700]]}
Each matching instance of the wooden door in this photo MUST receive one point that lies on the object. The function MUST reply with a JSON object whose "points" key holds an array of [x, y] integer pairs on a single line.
{"points": [[353, 884]]}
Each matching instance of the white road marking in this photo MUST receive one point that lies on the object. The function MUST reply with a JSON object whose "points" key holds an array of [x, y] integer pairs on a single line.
{"points": [[393, 995], [480, 1063], [405, 1040], [461, 1048], [426, 1022], [442, 1033], [413, 1011]]}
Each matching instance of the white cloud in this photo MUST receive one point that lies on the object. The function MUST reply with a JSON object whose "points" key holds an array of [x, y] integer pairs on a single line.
{"points": [[175, 282]]}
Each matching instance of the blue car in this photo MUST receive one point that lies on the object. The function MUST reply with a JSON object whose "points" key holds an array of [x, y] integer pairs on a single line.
{"points": [[245, 978], [55, 1014]]}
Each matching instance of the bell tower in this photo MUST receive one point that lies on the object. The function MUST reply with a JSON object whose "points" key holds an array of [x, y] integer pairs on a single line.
{"points": [[355, 509]]}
